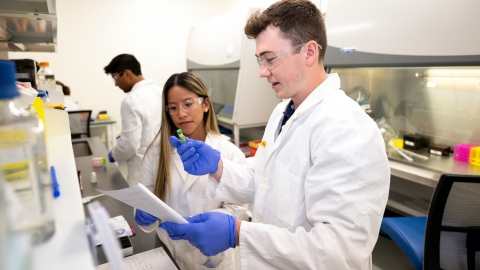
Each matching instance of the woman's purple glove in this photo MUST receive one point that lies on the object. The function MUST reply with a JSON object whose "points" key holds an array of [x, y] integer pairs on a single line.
{"points": [[198, 157], [210, 232], [143, 218]]}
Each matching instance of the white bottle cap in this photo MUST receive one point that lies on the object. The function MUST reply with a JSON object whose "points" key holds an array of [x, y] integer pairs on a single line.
{"points": [[93, 177]]}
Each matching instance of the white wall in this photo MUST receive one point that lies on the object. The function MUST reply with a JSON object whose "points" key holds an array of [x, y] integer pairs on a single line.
{"points": [[91, 32]]}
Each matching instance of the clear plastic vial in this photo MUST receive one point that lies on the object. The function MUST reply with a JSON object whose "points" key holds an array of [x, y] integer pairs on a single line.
{"points": [[23, 162], [93, 177], [46, 78]]}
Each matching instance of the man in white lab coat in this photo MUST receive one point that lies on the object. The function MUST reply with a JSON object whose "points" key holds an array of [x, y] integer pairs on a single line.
{"points": [[141, 114], [320, 178]]}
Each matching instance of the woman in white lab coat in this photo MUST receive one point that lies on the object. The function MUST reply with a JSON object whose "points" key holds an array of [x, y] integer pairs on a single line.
{"points": [[188, 107]]}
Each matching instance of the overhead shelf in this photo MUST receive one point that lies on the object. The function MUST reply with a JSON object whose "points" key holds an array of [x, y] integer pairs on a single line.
{"points": [[28, 26]]}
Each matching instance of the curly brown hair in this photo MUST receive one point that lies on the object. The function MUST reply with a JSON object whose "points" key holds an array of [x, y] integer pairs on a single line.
{"points": [[299, 21]]}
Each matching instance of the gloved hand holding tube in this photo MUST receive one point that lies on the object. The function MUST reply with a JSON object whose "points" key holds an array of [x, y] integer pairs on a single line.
{"points": [[198, 157], [210, 232]]}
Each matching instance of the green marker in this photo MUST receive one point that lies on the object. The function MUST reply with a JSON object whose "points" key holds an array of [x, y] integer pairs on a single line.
{"points": [[180, 135]]}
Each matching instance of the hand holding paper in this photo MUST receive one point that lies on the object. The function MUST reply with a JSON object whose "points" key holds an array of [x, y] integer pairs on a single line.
{"points": [[140, 197]]}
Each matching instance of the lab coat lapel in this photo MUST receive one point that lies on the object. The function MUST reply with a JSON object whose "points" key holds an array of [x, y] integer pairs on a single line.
{"points": [[179, 166], [272, 143], [187, 178], [330, 85]]}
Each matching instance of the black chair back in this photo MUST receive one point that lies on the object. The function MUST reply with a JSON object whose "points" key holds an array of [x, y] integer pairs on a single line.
{"points": [[79, 123], [452, 236]]}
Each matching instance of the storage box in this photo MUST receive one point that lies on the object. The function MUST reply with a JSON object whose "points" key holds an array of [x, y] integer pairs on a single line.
{"points": [[475, 156], [439, 150], [254, 146], [461, 152], [412, 141]]}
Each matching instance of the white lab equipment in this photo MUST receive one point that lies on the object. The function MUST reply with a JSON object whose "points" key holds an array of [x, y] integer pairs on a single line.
{"points": [[219, 52], [110, 246]]}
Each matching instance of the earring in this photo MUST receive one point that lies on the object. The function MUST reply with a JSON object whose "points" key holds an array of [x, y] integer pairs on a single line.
{"points": [[206, 110]]}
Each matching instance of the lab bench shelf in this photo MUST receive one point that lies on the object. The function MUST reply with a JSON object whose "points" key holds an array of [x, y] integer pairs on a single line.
{"points": [[413, 182]]}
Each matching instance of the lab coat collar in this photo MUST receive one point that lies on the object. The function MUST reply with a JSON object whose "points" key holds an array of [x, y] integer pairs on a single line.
{"points": [[142, 83], [327, 87], [331, 84]]}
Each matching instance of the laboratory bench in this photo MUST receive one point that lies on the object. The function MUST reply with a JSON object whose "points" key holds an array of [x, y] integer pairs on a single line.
{"points": [[413, 182], [105, 129], [109, 178]]}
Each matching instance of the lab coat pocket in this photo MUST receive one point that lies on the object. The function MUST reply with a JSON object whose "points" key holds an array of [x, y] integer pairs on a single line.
{"points": [[205, 205], [286, 196]]}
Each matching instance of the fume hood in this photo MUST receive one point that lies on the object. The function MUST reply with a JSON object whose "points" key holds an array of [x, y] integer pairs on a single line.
{"points": [[220, 53], [28, 25], [406, 33]]}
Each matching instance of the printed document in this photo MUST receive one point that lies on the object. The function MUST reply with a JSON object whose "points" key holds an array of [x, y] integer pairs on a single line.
{"points": [[152, 259], [140, 197]]}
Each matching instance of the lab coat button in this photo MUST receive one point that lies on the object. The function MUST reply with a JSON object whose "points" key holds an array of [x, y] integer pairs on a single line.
{"points": [[264, 180], [258, 219]]}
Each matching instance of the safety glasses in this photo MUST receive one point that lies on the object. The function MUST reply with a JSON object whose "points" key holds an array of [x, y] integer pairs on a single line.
{"points": [[273, 59]]}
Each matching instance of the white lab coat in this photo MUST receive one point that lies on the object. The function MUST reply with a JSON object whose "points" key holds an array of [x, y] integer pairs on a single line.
{"points": [[70, 105], [141, 112], [188, 198], [319, 189]]}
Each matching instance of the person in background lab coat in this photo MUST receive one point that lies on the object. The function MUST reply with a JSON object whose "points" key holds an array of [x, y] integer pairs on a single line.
{"points": [[319, 181], [188, 107], [141, 112]]}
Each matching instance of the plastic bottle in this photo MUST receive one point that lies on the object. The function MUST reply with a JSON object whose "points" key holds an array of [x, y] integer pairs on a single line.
{"points": [[23, 162], [46, 78], [4, 230], [15, 248], [42, 94]]}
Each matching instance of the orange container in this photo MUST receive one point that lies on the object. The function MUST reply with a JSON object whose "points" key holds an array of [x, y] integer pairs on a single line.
{"points": [[254, 146]]}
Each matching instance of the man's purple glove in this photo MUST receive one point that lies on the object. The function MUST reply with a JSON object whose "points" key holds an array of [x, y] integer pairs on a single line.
{"points": [[143, 218], [110, 157], [198, 157], [210, 232]]}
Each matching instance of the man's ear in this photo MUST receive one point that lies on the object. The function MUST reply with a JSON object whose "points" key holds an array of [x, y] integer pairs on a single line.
{"points": [[312, 53]]}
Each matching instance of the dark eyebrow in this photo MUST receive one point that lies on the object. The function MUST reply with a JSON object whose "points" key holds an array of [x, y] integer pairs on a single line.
{"points": [[264, 52]]}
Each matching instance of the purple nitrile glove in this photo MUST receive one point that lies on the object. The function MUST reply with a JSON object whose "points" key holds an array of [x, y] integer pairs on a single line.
{"points": [[198, 157], [110, 157], [143, 218], [210, 232]]}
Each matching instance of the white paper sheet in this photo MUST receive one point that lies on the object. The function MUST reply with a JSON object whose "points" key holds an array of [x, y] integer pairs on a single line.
{"points": [[140, 197], [152, 259]]}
